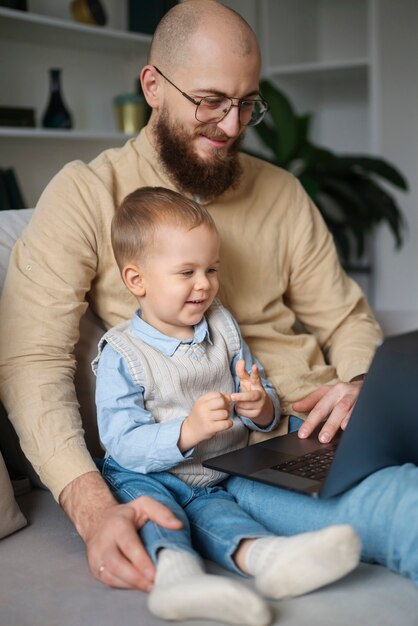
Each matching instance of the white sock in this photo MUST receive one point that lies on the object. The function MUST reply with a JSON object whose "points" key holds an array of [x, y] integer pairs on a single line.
{"points": [[291, 566], [182, 590]]}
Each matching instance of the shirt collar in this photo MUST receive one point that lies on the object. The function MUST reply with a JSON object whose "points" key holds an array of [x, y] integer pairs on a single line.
{"points": [[165, 344]]}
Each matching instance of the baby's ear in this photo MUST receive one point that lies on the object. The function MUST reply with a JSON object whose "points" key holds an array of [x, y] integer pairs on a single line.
{"points": [[133, 279]]}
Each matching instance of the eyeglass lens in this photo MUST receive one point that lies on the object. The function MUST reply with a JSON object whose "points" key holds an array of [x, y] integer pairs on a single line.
{"points": [[214, 109]]}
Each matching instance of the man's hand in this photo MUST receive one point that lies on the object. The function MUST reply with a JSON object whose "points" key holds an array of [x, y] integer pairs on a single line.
{"points": [[253, 402], [334, 403], [115, 553], [209, 416]]}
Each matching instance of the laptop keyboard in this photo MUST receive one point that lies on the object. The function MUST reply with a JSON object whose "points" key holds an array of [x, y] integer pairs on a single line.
{"points": [[314, 465]]}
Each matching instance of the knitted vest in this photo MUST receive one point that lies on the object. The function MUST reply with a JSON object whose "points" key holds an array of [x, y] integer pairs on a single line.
{"points": [[173, 384]]}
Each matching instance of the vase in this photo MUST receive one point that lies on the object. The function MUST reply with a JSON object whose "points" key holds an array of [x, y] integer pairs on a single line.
{"points": [[89, 12], [56, 114]]}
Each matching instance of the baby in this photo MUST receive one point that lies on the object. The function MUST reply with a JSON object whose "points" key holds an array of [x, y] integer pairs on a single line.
{"points": [[178, 384]]}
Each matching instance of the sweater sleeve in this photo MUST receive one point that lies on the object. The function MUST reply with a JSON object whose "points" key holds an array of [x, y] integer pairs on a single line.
{"points": [[51, 269], [327, 302]]}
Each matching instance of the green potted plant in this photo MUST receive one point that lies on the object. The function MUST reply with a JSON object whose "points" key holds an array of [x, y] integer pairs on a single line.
{"points": [[346, 189]]}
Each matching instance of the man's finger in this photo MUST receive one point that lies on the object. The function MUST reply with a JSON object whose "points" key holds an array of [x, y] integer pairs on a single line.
{"points": [[149, 509], [118, 571], [339, 417], [308, 403], [138, 569], [335, 407]]}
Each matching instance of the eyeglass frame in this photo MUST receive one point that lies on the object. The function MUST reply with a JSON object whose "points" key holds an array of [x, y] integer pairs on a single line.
{"points": [[198, 102]]}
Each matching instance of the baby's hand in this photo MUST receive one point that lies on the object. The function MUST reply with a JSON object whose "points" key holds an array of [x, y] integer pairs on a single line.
{"points": [[209, 416], [253, 402]]}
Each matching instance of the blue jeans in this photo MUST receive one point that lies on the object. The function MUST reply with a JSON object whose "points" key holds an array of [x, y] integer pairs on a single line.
{"points": [[383, 509], [213, 523]]}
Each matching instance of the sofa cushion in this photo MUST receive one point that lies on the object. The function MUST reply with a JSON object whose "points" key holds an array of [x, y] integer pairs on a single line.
{"points": [[11, 517], [45, 581]]}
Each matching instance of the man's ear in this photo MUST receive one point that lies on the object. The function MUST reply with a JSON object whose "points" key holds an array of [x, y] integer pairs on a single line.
{"points": [[132, 277], [150, 85]]}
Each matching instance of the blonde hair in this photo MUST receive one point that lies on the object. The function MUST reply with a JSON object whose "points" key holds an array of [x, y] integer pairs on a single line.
{"points": [[143, 211]]}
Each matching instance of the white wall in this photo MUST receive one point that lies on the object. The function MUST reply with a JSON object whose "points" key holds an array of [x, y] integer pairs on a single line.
{"points": [[396, 138]]}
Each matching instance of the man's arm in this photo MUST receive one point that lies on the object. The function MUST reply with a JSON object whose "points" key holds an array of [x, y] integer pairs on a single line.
{"points": [[115, 555], [333, 308], [50, 271]]}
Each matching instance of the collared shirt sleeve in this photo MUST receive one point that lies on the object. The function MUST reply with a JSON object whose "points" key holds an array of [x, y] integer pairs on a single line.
{"points": [[50, 272], [250, 360], [127, 430], [328, 303]]}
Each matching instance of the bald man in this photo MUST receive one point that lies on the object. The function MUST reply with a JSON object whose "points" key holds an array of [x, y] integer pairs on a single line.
{"points": [[279, 266]]}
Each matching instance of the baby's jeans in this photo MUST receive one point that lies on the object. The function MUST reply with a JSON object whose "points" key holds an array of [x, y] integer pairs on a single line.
{"points": [[213, 523]]}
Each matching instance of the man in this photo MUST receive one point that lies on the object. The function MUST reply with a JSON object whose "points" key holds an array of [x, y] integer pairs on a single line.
{"points": [[279, 265]]}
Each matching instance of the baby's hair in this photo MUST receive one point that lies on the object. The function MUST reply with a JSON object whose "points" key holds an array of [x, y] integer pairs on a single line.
{"points": [[143, 211]]}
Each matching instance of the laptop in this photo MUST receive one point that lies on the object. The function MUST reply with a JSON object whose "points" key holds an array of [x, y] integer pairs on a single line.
{"points": [[382, 431]]}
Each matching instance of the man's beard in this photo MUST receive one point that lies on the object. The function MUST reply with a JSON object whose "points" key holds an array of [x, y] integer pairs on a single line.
{"points": [[204, 178]]}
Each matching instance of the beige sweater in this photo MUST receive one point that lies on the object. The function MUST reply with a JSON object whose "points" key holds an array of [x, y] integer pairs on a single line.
{"points": [[278, 265]]}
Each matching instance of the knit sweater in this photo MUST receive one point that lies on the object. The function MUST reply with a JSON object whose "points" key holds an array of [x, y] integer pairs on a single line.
{"points": [[172, 384]]}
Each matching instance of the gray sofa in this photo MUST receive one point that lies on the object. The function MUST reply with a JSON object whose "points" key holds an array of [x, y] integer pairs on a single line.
{"points": [[44, 579]]}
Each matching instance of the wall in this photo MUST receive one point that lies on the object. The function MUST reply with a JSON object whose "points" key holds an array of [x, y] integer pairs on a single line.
{"points": [[90, 80], [396, 138]]}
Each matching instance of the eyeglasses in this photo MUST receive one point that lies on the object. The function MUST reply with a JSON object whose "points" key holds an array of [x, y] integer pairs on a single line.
{"points": [[213, 109]]}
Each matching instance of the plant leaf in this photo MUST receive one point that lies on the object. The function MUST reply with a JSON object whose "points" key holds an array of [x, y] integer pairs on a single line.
{"points": [[384, 207], [285, 122], [268, 135], [311, 186], [344, 187], [377, 166]]}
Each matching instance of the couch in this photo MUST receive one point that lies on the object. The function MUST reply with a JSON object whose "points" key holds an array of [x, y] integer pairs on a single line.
{"points": [[44, 578]]}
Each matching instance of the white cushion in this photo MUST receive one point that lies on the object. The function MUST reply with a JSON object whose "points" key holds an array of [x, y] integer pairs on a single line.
{"points": [[11, 518], [11, 225]]}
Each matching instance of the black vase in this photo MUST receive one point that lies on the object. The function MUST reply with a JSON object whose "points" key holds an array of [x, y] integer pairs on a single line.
{"points": [[56, 114]]}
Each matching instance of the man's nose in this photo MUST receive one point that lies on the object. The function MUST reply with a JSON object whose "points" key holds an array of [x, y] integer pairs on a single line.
{"points": [[230, 124]]}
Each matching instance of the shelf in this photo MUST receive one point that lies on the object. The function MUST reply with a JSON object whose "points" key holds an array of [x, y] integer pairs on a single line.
{"points": [[50, 31], [318, 69], [43, 133]]}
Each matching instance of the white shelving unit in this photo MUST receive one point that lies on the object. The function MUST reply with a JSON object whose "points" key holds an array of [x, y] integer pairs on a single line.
{"points": [[97, 64], [11, 132], [51, 31], [318, 52]]}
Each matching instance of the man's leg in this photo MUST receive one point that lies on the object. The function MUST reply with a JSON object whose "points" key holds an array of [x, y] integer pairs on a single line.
{"points": [[382, 509]]}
